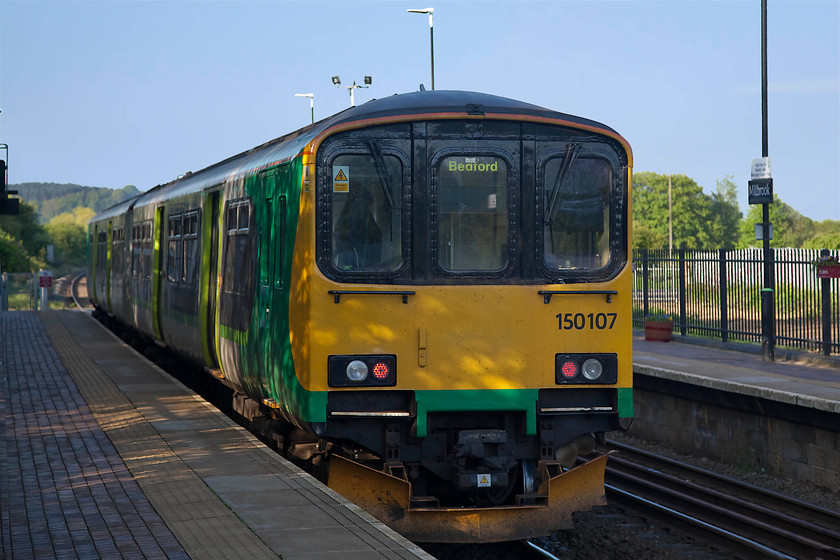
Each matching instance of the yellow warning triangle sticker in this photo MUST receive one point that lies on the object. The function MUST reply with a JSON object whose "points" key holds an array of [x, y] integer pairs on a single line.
{"points": [[341, 176], [484, 480]]}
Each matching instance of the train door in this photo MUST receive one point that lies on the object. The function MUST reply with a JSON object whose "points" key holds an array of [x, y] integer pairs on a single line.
{"points": [[108, 265], [157, 266], [271, 259], [100, 267], [266, 259], [94, 254], [210, 278]]}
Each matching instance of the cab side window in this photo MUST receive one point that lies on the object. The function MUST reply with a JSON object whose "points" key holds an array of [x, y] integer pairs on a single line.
{"points": [[239, 263], [366, 196]]}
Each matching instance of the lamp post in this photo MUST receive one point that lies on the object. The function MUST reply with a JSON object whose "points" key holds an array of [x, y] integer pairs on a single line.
{"points": [[311, 97], [431, 12], [337, 83], [768, 303]]}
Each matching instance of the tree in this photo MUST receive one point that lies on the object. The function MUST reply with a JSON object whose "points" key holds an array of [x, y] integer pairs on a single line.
{"points": [[79, 216], [690, 214], [70, 242], [823, 241], [51, 199], [790, 228], [13, 257], [25, 228], [725, 214], [827, 227]]}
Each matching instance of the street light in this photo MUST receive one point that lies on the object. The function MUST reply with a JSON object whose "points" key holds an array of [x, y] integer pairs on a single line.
{"points": [[337, 83], [311, 97], [431, 12]]}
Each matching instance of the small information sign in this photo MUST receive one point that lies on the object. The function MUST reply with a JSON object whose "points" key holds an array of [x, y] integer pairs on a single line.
{"points": [[761, 182], [760, 168], [45, 278]]}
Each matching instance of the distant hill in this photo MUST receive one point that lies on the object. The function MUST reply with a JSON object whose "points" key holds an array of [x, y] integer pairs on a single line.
{"points": [[51, 199]]}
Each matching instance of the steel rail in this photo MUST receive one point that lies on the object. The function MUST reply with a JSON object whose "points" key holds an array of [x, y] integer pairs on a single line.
{"points": [[709, 527], [539, 551], [74, 287], [775, 500], [736, 509]]}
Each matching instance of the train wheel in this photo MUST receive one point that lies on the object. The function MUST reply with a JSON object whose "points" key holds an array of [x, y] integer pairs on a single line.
{"points": [[529, 467]]}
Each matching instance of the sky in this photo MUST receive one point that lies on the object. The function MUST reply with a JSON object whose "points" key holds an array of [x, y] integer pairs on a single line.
{"points": [[112, 93]]}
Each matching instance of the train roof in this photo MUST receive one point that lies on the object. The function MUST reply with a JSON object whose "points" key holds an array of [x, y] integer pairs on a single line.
{"points": [[449, 102], [282, 149]]}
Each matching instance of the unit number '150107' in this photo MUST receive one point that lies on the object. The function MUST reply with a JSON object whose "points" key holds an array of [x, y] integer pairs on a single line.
{"points": [[591, 321]]}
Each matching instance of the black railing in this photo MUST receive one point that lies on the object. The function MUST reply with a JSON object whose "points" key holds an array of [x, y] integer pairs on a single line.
{"points": [[717, 294]]}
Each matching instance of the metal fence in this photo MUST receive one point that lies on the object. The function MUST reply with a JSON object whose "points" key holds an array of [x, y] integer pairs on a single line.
{"points": [[717, 294], [18, 290]]}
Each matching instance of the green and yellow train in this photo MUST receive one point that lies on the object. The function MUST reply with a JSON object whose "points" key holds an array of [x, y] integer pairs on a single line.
{"points": [[432, 290]]}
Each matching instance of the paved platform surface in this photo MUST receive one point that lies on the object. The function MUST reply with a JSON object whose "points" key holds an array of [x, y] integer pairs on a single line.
{"points": [[105, 456], [794, 378]]}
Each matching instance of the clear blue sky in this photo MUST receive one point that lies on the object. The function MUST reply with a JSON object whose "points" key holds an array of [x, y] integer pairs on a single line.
{"points": [[113, 93]]}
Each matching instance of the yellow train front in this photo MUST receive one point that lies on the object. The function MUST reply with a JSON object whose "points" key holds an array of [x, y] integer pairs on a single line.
{"points": [[433, 288], [470, 295]]}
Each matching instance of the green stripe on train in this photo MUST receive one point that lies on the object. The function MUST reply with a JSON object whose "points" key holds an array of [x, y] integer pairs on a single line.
{"points": [[477, 399], [625, 402]]}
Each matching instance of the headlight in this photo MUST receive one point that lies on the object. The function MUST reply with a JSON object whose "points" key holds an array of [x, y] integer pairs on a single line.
{"points": [[357, 371], [569, 369], [584, 369], [592, 369], [378, 370]]}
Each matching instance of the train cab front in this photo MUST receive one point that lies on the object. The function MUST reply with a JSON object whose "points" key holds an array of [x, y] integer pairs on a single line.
{"points": [[470, 292]]}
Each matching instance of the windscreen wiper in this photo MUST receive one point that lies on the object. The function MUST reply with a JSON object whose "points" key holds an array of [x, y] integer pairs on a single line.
{"points": [[379, 162], [572, 151]]}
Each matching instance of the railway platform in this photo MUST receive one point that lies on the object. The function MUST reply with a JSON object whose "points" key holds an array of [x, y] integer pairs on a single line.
{"points": [[725, 403], [795, 378], [105, 456]]}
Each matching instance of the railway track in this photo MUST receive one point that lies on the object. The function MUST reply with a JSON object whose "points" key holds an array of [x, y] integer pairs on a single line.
{"points": [[535, 551], [78, 291], [72, 289], [750, 520]]}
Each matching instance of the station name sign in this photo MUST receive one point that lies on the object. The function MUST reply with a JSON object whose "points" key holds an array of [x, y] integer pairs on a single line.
{"points": [[761, 182]]}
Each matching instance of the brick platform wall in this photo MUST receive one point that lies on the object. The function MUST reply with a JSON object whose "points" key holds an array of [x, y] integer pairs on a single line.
{"points": [[748, 440]]}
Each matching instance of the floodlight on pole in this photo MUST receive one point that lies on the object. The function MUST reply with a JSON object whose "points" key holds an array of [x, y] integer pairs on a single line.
{"points": [[368, 80], [431, 12], [311, 97]]}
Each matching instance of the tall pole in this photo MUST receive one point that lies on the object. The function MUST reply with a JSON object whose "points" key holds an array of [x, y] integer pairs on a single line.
{"points": [[431, 12], [670, 220], [311, 97], [768, 320], [432, 39]]}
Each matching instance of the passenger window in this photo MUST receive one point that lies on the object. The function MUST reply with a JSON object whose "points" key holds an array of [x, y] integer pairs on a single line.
{"points": [[173, 257], [238, 258], [191, 256], [472, 216], [577, 208], [366, 193]]}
